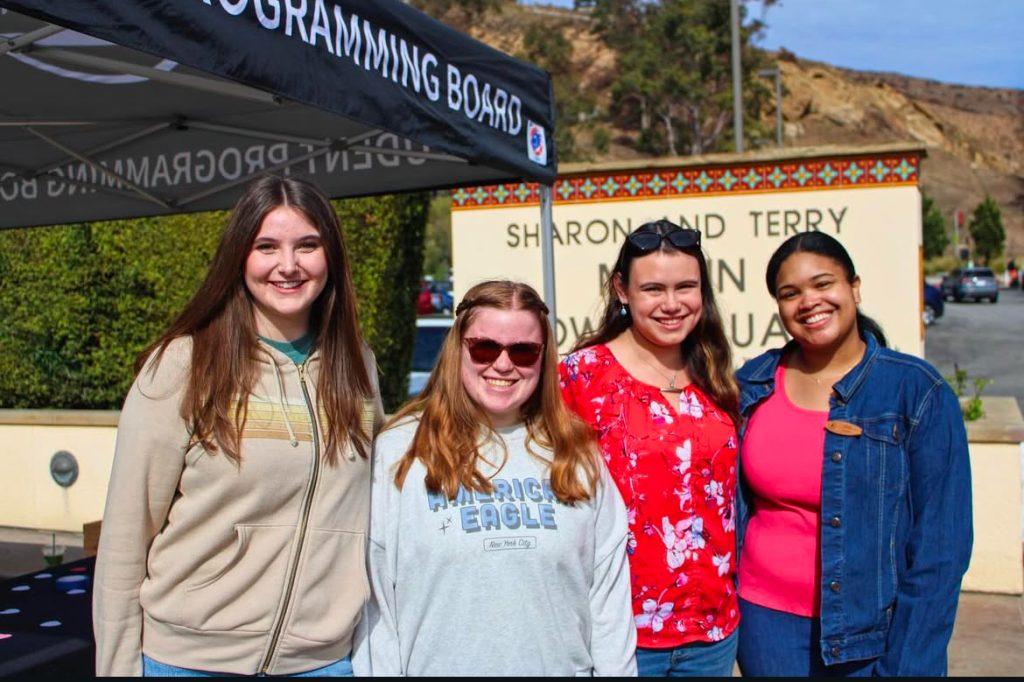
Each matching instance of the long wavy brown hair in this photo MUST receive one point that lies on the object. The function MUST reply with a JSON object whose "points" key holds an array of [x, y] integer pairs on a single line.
{"points": [[225, 348], [449, 434], [706, 354]]}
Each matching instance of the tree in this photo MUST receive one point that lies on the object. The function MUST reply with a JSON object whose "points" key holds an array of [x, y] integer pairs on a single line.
{"points": [[675, 70], [437, 243], [548, 48], [986, 228], [933, 228], [459, 14]]}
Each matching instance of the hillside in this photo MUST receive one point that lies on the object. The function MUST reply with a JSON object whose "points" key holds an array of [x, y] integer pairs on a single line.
{"points": [[974, 135]]}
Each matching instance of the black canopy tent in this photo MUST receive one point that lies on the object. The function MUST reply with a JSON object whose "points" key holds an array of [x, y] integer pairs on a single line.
{"points": [[126, 108]]}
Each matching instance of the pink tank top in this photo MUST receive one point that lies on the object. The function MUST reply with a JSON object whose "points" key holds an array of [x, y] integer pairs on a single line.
{"points": [[781, 463]]}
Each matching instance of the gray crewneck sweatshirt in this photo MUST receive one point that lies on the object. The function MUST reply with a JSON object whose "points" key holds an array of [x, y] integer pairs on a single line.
{"points": [[511, 583]]}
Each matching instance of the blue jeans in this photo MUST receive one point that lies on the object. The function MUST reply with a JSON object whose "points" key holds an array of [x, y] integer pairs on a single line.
{"points": [[699, 659], [779, 644], [151, 668]]}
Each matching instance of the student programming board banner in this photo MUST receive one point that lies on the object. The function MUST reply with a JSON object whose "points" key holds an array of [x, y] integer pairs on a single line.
{"points": [[744, 209], [378, 62]]}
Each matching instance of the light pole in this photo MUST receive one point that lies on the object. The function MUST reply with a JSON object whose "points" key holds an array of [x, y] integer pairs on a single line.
{"points": [[737, 87], [777, 73]]}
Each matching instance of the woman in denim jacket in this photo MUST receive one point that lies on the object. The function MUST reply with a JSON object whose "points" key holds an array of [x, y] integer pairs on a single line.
{"points": [[855, 497]]}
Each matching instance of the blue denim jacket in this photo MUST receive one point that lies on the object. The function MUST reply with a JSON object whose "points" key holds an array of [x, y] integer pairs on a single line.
{"points": [[896, 526]]}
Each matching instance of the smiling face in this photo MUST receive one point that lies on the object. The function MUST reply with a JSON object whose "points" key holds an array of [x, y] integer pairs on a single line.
{"points": [[501, 388], [285, 272], [817, 304], [663, 295]]}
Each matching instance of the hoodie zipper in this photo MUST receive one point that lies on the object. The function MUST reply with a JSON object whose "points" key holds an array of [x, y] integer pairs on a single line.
{"points": [[307, 505]]}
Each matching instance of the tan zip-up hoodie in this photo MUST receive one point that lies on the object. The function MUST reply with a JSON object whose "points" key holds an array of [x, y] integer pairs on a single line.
{"points": [[209, 565]]}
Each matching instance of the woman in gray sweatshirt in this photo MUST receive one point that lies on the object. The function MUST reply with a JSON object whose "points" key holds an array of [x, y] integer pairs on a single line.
{"points": [[497, 541]]}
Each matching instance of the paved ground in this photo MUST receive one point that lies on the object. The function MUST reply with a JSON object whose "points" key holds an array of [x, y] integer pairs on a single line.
{"points": [[21, 550], [986, 339], [988, 638]]}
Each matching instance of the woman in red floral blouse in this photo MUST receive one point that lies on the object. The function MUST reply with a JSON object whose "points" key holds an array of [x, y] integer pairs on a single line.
{"points": [[655, 382]]}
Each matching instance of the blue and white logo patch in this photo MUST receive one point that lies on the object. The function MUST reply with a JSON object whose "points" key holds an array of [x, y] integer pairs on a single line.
{"points": [[536, 143]]}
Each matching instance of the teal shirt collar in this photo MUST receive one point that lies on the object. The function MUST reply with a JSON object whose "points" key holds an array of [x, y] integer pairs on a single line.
{"points": [[297, 350]]}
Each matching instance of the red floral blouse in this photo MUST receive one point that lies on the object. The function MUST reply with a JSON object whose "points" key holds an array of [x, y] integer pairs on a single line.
{"points": [[676, 470]]}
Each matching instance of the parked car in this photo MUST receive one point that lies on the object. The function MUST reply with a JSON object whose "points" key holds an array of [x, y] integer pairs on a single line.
{"points": [[430, 334], [424, 301], [933, 305], [441, 296], [972, 283]]}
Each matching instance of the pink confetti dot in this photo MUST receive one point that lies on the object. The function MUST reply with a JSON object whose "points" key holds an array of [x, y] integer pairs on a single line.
{"points": [[4, 635]]}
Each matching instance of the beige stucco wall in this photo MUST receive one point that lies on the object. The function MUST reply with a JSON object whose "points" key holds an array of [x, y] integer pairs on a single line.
{"points": [[31, 498], [996, 562]]}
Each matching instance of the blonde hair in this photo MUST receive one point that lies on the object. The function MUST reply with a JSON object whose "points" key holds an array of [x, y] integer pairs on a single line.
{"points": [[447, 440]]}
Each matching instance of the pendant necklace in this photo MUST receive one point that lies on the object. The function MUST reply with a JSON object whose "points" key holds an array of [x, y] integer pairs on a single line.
{"points": [[671, 380]]}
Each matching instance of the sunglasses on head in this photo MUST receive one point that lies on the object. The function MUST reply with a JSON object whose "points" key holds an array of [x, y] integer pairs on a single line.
{"points": [[487, 351], [681, 238]]}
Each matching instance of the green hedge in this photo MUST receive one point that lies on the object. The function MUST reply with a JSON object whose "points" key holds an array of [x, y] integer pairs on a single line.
{"points": [[78, 302], [385, 242]]}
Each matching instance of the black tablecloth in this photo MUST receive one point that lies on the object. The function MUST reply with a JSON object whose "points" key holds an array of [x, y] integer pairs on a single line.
{"points": [[43, 629]]}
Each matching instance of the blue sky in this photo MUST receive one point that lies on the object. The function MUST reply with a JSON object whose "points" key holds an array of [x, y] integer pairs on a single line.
{"points": [[979, 42]]}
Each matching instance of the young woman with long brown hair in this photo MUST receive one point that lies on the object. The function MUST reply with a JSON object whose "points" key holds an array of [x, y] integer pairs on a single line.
{"points": [[655, 382], [238, 503], [497, 541]]}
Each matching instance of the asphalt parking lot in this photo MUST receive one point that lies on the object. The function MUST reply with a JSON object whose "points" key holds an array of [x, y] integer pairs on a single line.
{"points": [[986, 339]]}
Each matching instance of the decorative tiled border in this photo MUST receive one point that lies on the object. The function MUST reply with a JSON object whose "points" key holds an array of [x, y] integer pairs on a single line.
{"points": [[789, 176]]}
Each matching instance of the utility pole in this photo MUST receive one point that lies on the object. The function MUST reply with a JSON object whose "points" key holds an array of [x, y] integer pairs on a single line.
{"points": [[737, 87], [777, 73]]}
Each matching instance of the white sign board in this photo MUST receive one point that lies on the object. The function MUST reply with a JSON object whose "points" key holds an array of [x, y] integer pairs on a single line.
{"points": [[869, 202]]}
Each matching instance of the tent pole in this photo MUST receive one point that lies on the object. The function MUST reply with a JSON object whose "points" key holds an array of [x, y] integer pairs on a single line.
{"points": [[102, 170], [108, 146], [202, 83], [547, 247], [22, 41], [28, 174], [246, 178]]}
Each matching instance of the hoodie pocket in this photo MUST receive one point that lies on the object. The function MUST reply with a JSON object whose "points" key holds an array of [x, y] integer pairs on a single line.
{"points": [[332, 586], [242, 593]]}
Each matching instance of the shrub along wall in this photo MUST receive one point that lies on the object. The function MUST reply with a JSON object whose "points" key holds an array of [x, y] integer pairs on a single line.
{"points": [[79, 302], [385, 241]]}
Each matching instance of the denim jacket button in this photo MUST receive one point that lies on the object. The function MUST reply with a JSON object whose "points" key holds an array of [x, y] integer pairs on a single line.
{"points": [[834, 586], [834, 651], [837, 457], [835, 522]]}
